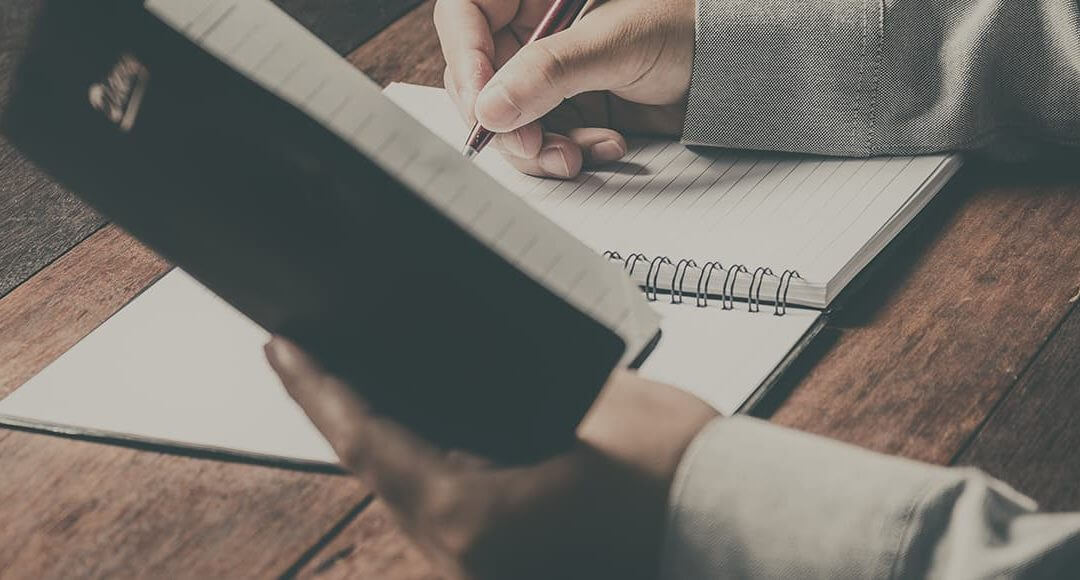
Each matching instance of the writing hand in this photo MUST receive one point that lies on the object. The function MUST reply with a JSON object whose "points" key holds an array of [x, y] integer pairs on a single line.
{"points": [[625, 66], [595, 511]]}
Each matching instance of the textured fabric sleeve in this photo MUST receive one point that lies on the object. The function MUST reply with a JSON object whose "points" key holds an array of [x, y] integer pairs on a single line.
{"points": [[752, 500], [870, 77]]}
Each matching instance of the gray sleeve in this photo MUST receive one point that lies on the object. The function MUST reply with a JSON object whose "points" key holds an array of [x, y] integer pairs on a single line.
{"points": [[753, 500], [871, 77]]}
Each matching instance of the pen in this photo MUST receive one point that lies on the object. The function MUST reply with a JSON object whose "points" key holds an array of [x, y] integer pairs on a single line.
{"points": [[559, 17]]}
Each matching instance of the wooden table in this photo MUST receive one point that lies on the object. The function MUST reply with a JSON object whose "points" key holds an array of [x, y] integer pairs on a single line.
{"points": [[961, 348]]}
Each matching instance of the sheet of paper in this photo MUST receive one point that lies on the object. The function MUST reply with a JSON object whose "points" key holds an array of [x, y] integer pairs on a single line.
{"points": [[811, 214], [177, 365], [723, 356], [180, 367], [260, 41]]}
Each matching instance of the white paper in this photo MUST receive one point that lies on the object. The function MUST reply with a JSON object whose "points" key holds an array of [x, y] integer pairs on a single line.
{"points": [[177, 365], [723, 356]]}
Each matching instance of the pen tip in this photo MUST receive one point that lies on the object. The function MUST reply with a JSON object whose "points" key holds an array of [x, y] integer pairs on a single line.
{"points": [[469, 152]]}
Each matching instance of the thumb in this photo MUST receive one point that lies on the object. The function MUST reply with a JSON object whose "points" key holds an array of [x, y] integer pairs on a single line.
{"points": [[544, 73]]}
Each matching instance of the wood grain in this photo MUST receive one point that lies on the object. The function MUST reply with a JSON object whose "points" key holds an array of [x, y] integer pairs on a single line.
{"points": [[1033, 438], [77, 509], [931, 345], [373, 546], [407, 51]]}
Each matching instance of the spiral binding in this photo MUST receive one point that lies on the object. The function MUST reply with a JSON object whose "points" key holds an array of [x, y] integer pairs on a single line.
{"points": [[705, 277]]}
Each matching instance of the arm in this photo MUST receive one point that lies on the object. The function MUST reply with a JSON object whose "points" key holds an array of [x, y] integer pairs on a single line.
{"points": [[744, 498], [752, 500], [856, 77]]}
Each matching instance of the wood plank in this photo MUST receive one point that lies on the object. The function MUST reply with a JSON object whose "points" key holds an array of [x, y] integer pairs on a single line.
{"points": [[407, 51], [1032, 440], [372, 546], [79, 509], [936, 338]]}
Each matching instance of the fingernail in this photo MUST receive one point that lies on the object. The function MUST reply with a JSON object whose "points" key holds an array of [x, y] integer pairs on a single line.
{"points": [[281, 353], [553, 161], [496, 108], [273, 351], [606, 151]]}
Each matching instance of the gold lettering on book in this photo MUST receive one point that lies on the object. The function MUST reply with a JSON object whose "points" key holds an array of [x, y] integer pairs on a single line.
{"points": [[120, 94]]}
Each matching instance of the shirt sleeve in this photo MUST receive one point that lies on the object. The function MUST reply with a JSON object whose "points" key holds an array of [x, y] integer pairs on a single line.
{"points": [[872, 77], [753, 500]]}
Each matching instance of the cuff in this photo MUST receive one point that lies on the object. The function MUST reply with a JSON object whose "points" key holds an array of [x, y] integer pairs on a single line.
{"points": [[783, 75], [753, 500]]}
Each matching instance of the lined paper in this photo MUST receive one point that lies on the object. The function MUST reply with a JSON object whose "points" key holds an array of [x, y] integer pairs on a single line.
{"points": [[260, 41], [816, 215]]}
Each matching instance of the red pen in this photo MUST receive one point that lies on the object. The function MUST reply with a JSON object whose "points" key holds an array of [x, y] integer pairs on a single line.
{"points": [[559, 17]]}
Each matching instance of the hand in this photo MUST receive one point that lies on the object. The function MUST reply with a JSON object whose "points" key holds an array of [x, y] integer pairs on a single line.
{"points": [[595, 511], [625, 66]]}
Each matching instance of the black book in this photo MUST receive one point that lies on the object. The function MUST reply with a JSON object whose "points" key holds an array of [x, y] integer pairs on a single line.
{"points": [[233, 142]]}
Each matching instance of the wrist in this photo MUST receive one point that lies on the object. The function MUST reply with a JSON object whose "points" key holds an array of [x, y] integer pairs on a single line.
{"points": [[644, 424]]}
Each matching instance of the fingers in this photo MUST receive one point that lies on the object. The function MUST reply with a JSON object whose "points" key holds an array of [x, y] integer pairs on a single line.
{"points": [[599, 145], [525, 142], [332, 406], [431, 493], [466, 34], [393, 460], [544, 73], [563, 157], [558, 157]]}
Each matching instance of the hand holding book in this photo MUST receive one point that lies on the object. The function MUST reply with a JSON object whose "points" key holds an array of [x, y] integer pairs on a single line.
{"points": [[482, 521]]}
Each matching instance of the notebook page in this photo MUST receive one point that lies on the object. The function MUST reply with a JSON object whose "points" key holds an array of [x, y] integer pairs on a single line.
{"points": [[723, 356], [124, 381], [260, 41], [810, 214]]}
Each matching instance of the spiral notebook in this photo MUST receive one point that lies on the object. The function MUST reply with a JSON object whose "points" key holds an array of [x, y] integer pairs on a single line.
{"points": [[737, 253], [676, 216]]}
